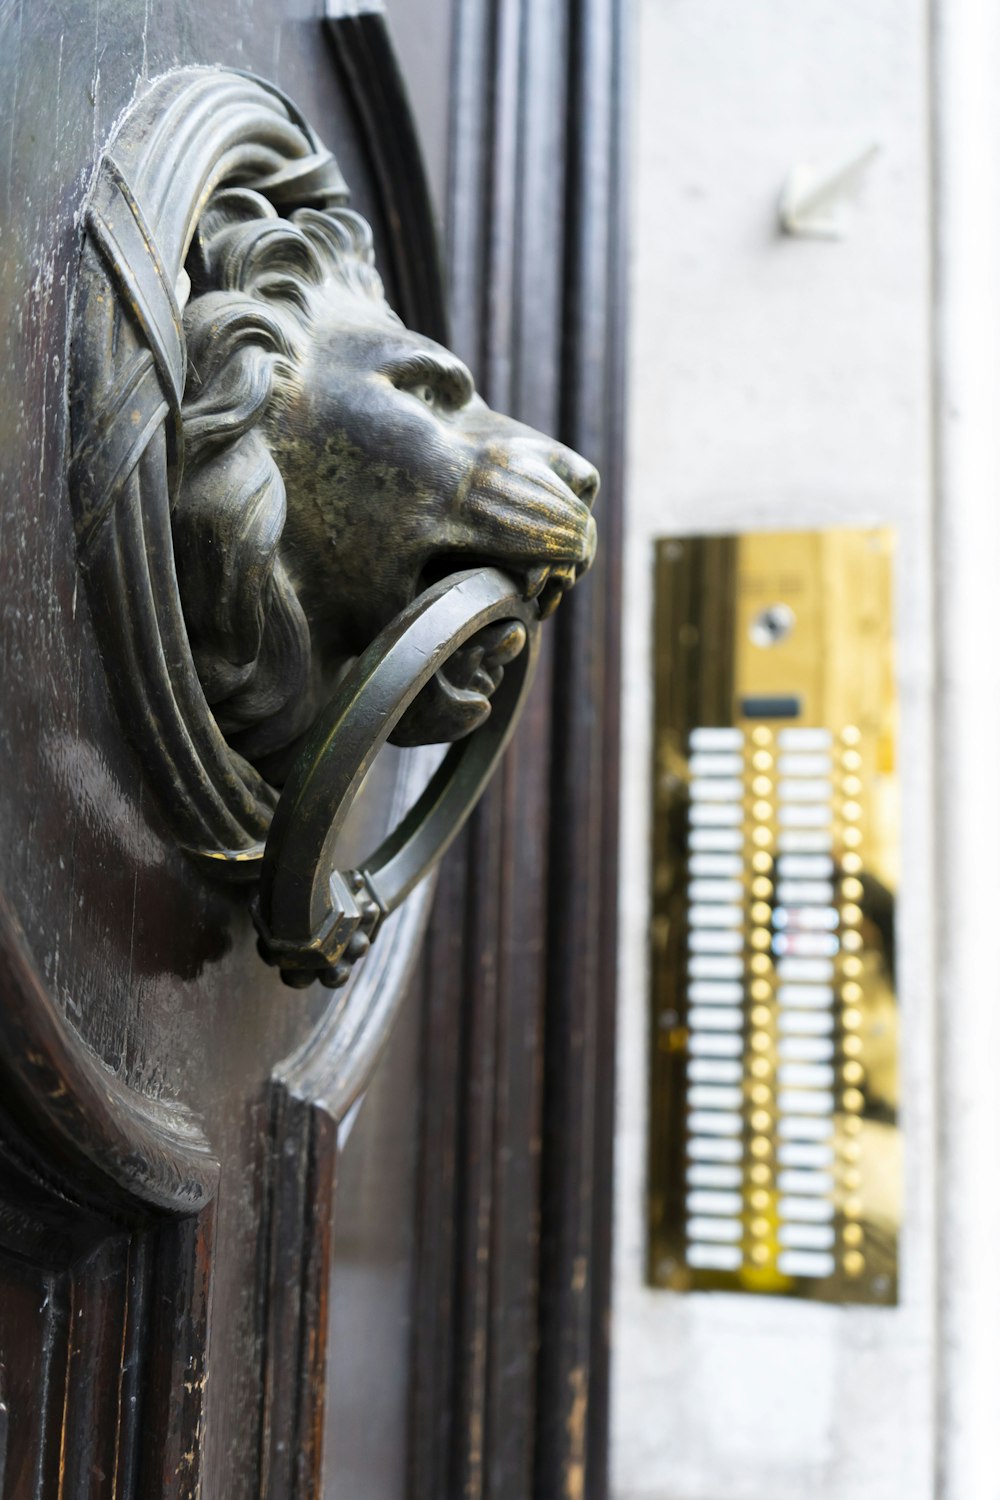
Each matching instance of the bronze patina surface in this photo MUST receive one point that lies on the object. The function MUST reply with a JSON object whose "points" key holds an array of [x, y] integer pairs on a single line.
{"points": [[270, 471]]}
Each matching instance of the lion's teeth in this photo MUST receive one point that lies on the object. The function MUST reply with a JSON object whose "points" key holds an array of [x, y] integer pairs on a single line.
{"points": [[550, 603], [534, 581]]}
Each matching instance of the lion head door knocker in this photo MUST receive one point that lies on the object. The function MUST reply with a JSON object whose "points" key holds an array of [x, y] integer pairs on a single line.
{"points": [[303, 532]]}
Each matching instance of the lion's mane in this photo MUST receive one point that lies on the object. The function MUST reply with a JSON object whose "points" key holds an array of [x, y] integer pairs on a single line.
{"points": [[247, 325]]}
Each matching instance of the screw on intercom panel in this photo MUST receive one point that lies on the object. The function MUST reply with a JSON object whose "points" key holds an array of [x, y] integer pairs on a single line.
{"points": [[772, 625]]}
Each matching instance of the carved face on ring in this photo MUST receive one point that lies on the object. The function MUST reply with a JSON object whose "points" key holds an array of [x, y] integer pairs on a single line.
{"points": [[393, 473]]}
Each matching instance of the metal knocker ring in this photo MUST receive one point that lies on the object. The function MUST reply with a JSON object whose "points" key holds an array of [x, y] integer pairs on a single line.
{"points": [[314, 920]]}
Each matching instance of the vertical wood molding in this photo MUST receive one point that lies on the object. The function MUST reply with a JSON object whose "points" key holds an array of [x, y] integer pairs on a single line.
{"points": [[361, 43], [311, 1093], [514, 1248], [582, 938]]}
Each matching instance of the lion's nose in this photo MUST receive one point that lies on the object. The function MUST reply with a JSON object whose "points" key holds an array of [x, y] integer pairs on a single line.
{"points": [[575, 472]]}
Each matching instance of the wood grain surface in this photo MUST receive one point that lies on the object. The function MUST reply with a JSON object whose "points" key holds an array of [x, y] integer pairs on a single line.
{"points": [[225, 1269]]}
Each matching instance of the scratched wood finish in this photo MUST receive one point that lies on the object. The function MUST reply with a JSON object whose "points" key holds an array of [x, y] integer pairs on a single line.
{"points": [[181, 1310], [141, 1034]]}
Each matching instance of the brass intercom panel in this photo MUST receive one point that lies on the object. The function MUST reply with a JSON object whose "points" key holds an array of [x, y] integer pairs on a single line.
{"points": [[774, 1146]]}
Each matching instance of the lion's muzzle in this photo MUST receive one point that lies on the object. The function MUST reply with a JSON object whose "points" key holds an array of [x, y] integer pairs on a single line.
{"points": [[528, 508]]}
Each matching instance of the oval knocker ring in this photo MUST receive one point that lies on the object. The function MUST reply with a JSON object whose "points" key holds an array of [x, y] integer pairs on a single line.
{"points": [[315, 920]]}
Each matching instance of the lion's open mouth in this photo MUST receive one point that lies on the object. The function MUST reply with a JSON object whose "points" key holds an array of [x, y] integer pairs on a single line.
{"points": [[547, 584], [544, 582]]}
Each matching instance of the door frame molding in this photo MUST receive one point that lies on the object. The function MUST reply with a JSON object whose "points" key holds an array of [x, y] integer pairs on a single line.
{"points": [[510, 1363]]}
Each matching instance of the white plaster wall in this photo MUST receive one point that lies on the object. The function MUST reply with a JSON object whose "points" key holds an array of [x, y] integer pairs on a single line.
{"points": [[781, 383], [965, 69]]}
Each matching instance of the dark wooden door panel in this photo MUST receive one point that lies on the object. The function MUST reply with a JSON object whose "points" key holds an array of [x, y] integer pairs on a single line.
{"points": [[254, 1242], [370, 1327], [144, 1040]]}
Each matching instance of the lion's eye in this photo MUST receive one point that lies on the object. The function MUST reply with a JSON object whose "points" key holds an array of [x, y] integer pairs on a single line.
{"points": [[445, 390]]}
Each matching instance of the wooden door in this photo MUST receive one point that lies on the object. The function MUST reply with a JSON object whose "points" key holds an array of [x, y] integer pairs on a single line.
{"points": [[262, 1241]]}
